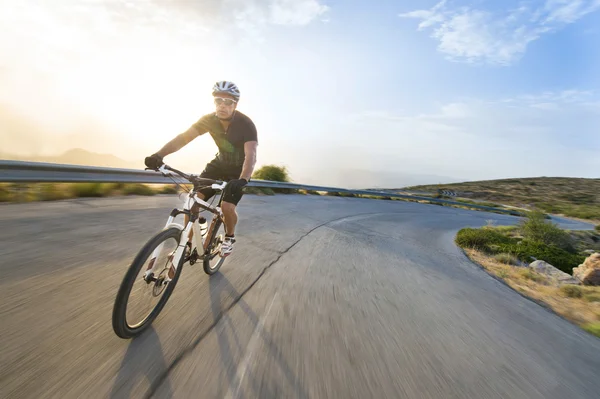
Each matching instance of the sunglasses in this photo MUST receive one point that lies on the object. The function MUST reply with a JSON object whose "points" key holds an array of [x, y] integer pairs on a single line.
{"points": [[226, 101]]}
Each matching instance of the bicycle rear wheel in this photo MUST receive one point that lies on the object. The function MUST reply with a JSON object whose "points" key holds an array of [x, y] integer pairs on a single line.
{"points": [[128, 323]]}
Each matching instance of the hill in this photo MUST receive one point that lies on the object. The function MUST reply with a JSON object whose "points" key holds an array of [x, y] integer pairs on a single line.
{"points": [[573, 197], [78, 156]]}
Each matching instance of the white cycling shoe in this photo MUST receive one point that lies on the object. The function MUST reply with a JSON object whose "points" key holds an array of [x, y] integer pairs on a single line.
{"points": [[227, 246]]}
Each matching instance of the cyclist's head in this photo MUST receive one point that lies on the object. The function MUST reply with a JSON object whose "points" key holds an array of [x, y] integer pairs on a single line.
{"points": [[226, 96]]}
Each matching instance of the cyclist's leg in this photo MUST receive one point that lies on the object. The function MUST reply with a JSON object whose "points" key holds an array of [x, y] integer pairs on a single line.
{"points": [[231, 198]]}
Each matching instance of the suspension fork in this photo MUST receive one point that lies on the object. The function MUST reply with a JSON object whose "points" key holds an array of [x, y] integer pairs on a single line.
{"points": [[182, 240]]}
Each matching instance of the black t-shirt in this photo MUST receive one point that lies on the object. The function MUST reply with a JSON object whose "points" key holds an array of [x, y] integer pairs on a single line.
{"points": [[231, 142]]}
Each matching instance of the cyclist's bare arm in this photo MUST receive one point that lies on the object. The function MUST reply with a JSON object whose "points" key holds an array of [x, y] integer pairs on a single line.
{"points": [[179, 142], [249, 160]]}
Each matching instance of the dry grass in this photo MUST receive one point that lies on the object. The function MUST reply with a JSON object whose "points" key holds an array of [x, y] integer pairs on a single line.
{"points": [[573, 197], [18, 192], [578, 304]]}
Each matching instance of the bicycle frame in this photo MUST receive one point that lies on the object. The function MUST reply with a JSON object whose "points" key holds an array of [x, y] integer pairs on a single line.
{"points": [[192, 224]]}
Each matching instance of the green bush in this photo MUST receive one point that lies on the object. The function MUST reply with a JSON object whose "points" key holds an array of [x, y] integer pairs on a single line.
{"points": [[138, 189], [5, 194], [557, 257], [275, 173], [480, 238], [536, 228], [88, 189], [571, 291], [593, 328], [272, 172], [597, 227], [52, 192], [494, 242]]}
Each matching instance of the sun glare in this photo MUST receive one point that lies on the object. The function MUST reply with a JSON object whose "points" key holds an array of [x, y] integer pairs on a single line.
{"points": [[139, 81]]}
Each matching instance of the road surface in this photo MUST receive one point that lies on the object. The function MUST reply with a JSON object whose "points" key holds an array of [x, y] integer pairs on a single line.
{"points": [[324, 297]]}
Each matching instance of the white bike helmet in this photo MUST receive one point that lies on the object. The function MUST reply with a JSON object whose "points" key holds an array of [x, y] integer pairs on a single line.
{"points": [[226, 87]]}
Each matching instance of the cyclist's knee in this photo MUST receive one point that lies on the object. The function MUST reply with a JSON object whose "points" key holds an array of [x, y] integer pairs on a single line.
{"points": [[228, 206]]}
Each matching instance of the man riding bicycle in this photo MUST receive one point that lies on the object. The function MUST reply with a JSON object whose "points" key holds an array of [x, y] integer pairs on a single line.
{"points": [[236, 137]]}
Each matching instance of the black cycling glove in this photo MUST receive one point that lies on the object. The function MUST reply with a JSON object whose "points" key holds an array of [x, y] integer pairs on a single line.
{"points": [[154, 161], [237, 184]]}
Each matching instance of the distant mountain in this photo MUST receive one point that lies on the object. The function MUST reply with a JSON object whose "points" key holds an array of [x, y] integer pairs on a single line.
{"points": [[78, 156]]}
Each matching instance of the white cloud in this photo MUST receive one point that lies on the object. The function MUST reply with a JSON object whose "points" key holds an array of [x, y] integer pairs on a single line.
{"points": [[295, 12], [250, 14], [476, 35]]}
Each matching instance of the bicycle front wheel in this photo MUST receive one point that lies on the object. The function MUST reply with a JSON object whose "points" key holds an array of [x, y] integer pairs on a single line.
{"points": [[212, 260], [140, 301]]}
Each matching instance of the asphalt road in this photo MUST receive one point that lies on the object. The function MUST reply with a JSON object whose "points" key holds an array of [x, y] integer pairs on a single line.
{"points": [[348, 298]]}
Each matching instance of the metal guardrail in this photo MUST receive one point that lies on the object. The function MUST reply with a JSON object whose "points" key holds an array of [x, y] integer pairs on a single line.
{"points": [[42, 172]]}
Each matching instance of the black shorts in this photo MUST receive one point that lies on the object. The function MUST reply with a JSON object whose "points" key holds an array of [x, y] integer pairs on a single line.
{"points": [[219, 171]]}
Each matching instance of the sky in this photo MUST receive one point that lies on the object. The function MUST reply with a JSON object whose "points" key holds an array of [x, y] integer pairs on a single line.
{"points": [[347, 93]]}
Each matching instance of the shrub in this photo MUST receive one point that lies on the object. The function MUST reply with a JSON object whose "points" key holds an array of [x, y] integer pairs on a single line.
{"points": [[593, 328], [597, 227], [138, 189], [87, 190], [480, 238], [557, 257], [272, 172], [5, 194], [52, 192], [536, 229], [275, 173], [506, 229], [571, 291]]}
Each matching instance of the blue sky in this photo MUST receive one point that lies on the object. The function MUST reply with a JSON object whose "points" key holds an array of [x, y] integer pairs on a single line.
{"points": [[350, 93]]}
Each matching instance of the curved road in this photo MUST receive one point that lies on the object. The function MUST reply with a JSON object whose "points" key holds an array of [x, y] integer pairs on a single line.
{"points": [[325, 297]]}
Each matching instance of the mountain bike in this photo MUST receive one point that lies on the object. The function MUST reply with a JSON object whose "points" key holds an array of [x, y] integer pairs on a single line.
{"points": [[154, 279]]}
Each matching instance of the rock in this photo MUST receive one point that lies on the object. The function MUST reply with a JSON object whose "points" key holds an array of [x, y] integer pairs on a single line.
{"points": [[552, 272], [589, 271]]}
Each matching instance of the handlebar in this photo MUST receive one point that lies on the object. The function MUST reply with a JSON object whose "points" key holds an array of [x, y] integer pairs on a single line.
{"points": [[192, 178]]}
